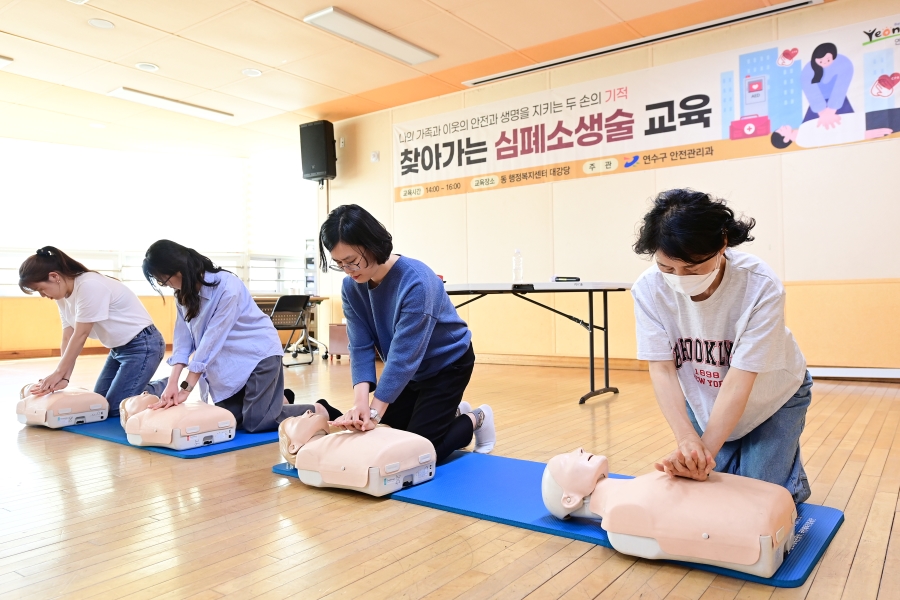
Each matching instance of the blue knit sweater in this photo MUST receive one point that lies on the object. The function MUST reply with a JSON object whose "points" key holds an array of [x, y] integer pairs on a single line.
{"points": [[409, 320]]}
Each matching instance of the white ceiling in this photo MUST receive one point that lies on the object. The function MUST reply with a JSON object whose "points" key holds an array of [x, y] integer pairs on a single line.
{"points": [[63, 68]]}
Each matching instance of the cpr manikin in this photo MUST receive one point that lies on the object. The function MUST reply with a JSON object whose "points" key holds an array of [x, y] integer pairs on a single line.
{"points": [[71, 406], [728, 521], [180, 427], [376, 462]]}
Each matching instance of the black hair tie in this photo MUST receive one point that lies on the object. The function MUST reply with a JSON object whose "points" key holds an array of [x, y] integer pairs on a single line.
{"points": [[42, 252]]}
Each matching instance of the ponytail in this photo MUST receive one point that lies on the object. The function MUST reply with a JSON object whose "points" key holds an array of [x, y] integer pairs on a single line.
{"points": [[46, 260]]}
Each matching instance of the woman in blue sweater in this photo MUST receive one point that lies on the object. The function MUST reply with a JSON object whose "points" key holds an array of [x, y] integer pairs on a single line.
{"points": [[397, 306]]}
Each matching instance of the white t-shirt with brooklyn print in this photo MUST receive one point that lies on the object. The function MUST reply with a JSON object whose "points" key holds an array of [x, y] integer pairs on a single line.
{"points": [[740, 325]]}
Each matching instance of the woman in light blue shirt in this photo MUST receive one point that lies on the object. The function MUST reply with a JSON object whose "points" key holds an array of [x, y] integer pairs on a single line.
{"points": [[226, 342]]}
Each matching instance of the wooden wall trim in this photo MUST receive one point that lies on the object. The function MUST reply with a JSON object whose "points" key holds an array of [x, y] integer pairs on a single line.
{"points": [[52, 352], [572, 362]]}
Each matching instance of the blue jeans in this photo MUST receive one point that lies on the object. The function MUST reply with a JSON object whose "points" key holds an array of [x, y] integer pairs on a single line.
{"points": [[128, 368], [771, 452]]}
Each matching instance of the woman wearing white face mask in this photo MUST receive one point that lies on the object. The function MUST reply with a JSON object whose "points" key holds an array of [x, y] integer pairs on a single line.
{"points": [[727, 373]]}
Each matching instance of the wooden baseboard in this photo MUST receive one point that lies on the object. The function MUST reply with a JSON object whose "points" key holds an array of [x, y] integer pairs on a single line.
{"points": [[572, 362], [52, 352]]}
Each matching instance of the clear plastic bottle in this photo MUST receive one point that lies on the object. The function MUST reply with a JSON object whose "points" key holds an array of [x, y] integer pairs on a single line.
{"points": [[518, 268]]}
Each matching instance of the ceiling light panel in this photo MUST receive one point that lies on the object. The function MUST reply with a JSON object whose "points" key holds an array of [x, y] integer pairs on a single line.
{"points": [[169, 104], [261, 35], [334, 20], [4, 61]]}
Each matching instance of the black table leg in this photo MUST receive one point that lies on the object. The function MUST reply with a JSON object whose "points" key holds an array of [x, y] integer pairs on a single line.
{"points": [[606, 388]]}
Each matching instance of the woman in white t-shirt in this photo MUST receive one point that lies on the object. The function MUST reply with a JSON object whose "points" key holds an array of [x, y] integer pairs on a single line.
{"points": [[710, 320], [92, 305]]}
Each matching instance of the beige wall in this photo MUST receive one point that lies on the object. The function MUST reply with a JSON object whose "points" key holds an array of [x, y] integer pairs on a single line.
{"points": [[822, 217], [32, 323]]}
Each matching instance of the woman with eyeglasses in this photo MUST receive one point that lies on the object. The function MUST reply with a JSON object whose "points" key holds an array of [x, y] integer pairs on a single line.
{"points": [[396, 306], [92, 305], [223, 339], [727, 373]]}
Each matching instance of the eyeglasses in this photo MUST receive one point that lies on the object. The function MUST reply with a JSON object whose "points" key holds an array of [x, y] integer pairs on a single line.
{"points": [[163, 283], [347, 268]]}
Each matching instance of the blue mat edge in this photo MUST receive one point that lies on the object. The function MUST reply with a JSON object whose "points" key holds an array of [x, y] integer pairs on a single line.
{"points": [[202, 452], [286, 470], [281, 469]]}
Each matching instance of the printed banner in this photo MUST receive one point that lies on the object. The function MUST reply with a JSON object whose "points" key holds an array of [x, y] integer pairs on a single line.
{"points": [[835, 87]]}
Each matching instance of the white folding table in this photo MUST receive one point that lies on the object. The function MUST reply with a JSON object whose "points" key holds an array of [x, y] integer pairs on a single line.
{"points": [[519, 290]]}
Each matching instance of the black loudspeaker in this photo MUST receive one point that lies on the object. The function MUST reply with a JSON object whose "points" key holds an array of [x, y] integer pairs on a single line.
{"points": [[317, 151]]}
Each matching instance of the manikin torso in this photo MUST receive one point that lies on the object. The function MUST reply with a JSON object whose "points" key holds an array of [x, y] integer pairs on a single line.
{"points": [[728, 520], [184, 426], [375, 462], [71, 406]]}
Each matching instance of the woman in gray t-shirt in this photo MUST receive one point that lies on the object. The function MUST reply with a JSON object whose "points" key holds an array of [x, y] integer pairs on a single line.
{"points": [[727, 373]]}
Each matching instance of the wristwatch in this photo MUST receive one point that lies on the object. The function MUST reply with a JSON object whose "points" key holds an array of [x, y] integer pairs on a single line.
{"points": [[186, 387], [373, 416]]}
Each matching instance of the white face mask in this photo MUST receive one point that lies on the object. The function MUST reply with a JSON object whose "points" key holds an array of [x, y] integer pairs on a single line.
{"points": [[692, 285]]}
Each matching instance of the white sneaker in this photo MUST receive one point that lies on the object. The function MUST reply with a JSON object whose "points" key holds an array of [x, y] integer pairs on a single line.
{"points": [[464, 408], [486, 435]]}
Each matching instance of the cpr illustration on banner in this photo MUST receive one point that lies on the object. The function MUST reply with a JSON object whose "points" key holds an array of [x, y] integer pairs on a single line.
{"points": [[832, 87]]}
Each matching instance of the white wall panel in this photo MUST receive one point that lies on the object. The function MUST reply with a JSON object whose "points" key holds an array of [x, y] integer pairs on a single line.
{"points": [[841, 212], [434, 231], [751, 186], [499, 222], [594, 224]]}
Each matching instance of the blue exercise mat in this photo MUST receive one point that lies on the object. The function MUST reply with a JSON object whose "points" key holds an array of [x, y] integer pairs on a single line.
{"points": [[111, 431], [508, 491]]}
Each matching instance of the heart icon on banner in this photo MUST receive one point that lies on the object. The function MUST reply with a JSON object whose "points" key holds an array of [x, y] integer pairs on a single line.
{"points": [[884, 85], [786, 58]]}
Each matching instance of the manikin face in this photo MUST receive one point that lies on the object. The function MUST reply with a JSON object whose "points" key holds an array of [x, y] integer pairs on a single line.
{"points": [[301, 430], [54, 288], [577, 473], [825, 60], [354, 261]]}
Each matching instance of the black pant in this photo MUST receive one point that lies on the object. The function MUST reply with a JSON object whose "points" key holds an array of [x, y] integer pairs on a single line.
{"points": [[259, 405], [428, 407]]}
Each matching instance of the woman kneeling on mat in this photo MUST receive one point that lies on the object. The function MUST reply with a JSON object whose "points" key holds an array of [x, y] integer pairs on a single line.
{"points": [[92, 305], [397, 306], [226, 342], [711, 322]]}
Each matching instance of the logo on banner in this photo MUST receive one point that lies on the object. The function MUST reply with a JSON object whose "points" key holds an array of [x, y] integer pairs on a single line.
{"points": [[878, 35]]}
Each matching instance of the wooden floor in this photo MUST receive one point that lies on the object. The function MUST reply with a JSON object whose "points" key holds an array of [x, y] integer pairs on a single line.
{"points": [[83, 518]]}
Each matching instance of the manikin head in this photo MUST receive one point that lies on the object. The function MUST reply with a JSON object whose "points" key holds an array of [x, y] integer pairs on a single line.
{"points": [[135, 404], [296, 432], [569, 478]]}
